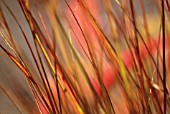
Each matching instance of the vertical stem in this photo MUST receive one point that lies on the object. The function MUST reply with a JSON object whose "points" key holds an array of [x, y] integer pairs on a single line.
{"points": [[164, 67]]}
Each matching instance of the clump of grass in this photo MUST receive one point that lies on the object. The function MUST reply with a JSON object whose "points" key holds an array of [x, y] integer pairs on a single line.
{"points": [[87, 56]]}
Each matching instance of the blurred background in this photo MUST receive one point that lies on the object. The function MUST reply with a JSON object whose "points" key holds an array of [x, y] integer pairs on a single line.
{"points": [[13, 84]]}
